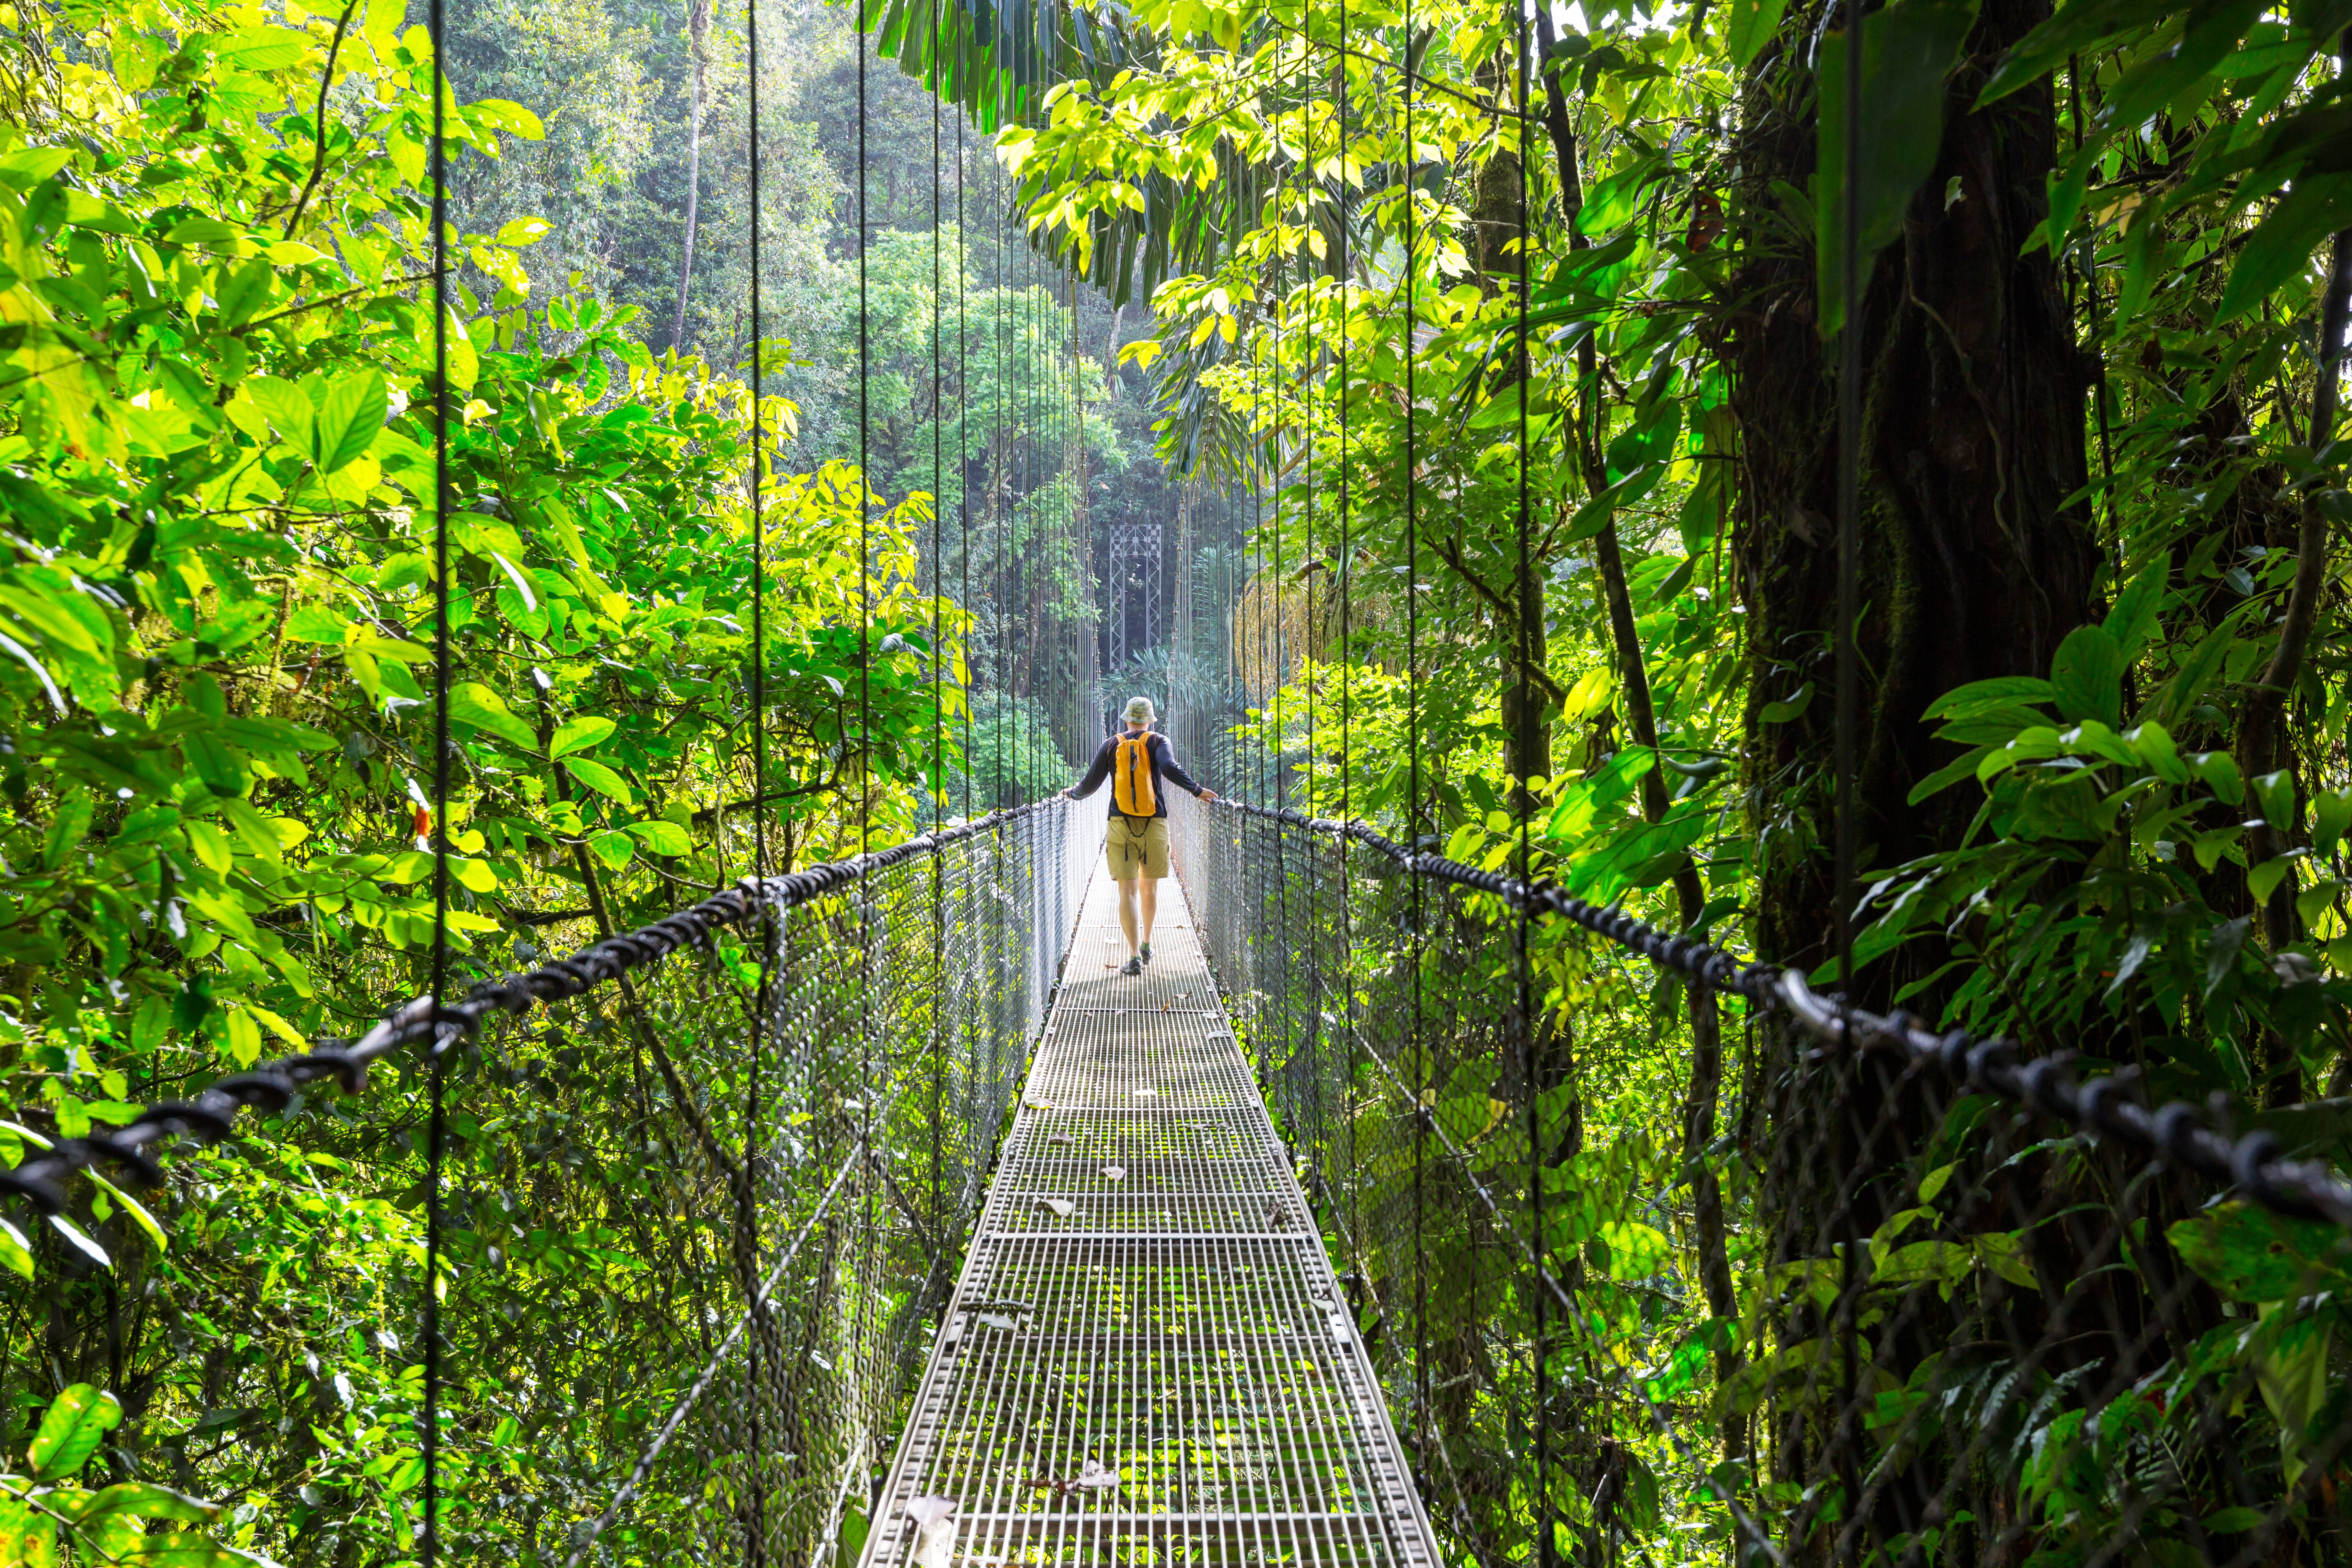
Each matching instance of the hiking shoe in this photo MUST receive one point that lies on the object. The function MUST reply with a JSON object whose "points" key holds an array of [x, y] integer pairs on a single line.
{"points": [[1147, 953], [1132, 966]]}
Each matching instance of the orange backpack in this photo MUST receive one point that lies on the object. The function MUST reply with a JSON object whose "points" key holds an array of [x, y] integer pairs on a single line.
{"points": [[1131, 777]]}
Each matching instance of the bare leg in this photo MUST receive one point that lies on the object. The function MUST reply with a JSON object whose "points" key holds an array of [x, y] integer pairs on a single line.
{"points": [[1148, 888], [1126, 898]]}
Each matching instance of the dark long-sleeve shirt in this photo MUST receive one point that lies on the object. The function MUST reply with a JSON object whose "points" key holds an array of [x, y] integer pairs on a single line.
{"points": [[1164, 771]]}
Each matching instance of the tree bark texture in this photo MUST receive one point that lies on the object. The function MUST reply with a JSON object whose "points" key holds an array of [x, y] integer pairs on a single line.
{"points": [[1971, 566]]}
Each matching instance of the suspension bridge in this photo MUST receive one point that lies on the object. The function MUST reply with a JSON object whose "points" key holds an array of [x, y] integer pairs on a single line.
{"points": [[972, 1247]]}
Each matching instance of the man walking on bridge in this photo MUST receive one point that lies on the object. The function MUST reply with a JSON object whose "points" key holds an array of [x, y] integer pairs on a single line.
{"points": [[1137, 843]]}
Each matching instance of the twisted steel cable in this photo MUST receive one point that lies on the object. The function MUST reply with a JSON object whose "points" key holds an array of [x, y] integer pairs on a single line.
{"points": [[210, 1115], [2178, 1134]]}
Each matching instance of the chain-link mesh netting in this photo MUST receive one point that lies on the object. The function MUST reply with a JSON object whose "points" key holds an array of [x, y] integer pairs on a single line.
{"points": [[1977, 1311], [727, 1195]]}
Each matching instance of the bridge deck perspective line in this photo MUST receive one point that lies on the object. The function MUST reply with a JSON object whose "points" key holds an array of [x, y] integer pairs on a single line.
{"points": [[1145, 1294]]}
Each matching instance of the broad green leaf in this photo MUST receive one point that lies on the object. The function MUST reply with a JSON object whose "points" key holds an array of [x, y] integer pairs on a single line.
{"points": [[2219, 772], [2274, 793], [2250, 1254], [2331, 817], [75, 1424], [80, 1240], [262, 48], [2005, 688], [142, 1499], [578, 734], [2133, 616], [136, 1209], [349, 417], [1790, 707], [614, 849], [15, 1248], [1907, 49], [522, 231], [288, 409], [29, 166], [473, 704], [464, 367], [2087, 674], [2075, 27], [1748, 26], [187, 1549], [661, 838], [599, 778], [2286, 243], [2262, 880]]}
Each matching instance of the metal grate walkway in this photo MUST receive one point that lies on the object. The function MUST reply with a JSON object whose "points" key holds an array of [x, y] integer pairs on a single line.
{"points": [[1147, 1359]]}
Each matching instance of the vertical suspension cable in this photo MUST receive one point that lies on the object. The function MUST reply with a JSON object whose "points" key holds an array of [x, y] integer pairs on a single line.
{"points": [[963, 459], [755, 1539], [1849, 500], [430, 1546], [1413, 752], [939, 778], [1530, 609]]}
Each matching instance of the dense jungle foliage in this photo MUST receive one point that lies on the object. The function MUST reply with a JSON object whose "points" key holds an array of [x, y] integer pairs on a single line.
{"points": [[217, 466]]}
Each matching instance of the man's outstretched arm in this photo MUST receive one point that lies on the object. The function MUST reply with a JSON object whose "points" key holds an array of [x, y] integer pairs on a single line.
{"points": [[1097, 771]]}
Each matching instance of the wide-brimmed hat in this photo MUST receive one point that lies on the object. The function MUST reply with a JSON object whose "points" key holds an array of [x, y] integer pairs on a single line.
{"points": [[1139, 711]]}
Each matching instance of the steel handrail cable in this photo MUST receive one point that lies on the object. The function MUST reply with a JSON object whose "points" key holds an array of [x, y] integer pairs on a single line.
{"points": [[2177, 1133], [209, 1115]]}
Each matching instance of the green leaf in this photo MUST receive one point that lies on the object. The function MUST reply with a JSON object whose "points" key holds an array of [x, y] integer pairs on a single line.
{"points": [[464, 367], [2087, 673], [2274, 793], [2153, 744], [661, 838], [599, 778], [15, 1248], [520, 231], [68, 828], [2075, 27], [2001, 690], [2222, 949], [2219, 772], [30, 166], [288, 409], [473, 704], [614, 849], [1748, 26], [577, 735], [2264, 878], [2250, 1254], [75, 1424], [141, 1500], [186, 1548], [348, 416], [1788, 708], [2331, 817], [2284, 244], [1907, 49], [136, 1210], [2313, 900], [2133, 616], [262, 48], [1948, 775]]}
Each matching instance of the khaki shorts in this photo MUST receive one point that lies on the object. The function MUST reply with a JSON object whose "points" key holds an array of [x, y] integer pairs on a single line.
{"points": [[1130, 851]]}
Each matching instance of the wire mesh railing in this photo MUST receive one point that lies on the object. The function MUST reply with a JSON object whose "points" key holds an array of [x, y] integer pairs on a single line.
{"points": [[1981, 1310], [723, 1166]]}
